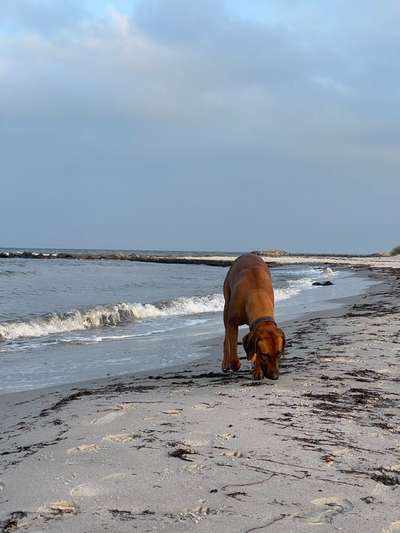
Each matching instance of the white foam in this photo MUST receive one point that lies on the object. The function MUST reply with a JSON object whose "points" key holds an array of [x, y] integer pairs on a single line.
{"points": [[294, 288], [304, 271], [113, 315], [110, 315]]}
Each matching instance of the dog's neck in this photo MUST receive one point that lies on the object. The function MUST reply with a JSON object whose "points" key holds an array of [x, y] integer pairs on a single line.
{"points": [[255, 323], [258, 305]]}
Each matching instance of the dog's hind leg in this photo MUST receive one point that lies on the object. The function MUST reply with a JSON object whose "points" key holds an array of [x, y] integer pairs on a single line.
{"points": [[227, 357]]}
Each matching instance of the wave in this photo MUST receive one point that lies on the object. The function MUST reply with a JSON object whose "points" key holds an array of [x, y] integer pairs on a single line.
{"points": [[109, 315], [113, 315], [294, 287]]}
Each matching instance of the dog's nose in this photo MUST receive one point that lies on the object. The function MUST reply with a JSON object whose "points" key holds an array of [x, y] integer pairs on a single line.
{"points": [[274, 375]]}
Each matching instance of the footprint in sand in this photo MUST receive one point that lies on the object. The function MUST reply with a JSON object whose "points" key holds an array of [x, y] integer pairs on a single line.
{"points": [[202, 406], [115, 475], [173, 412], [226, 436], [233, 453], [393, 468], [83, 448], [120, 437], [393, 528], [109, 417], [195, 513], [325, 509], [123, 406], [58, 507], [194, 468], [198, 439], [86, 490], [117, 410]]}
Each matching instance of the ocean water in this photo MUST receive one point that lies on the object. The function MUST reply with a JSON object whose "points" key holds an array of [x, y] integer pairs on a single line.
{"points": [[65, 321]]}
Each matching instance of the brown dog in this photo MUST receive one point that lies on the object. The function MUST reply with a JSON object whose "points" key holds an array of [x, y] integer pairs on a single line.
{"points": [[249, 299]]}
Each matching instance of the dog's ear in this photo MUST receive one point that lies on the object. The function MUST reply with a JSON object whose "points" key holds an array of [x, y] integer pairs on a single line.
{"points": [[245, 342], [249, 344], [282, 336]]}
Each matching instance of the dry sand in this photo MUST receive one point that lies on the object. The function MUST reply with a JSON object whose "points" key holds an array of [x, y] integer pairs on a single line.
{"points": [[382, 262], [197, 450]]}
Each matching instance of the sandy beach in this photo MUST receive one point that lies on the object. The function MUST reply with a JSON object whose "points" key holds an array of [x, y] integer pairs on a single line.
{"points": [[171, 169], [196, 450]]}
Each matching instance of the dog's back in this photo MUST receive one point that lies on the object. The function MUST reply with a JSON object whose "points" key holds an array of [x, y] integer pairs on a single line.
{"points": [[248, 272]]}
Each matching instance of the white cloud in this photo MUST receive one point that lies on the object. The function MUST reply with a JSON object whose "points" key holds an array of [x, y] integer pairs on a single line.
{"points": [[40, 15], [244, 83], [181, 90]]}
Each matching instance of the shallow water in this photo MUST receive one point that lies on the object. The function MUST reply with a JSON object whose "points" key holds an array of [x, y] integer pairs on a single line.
{"points": [[64, 321]]}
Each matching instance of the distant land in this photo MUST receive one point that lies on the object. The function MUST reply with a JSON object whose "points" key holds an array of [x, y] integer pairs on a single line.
{"points": [[203, 258]]}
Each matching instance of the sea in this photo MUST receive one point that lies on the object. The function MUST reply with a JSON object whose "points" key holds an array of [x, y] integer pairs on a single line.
{"points": [[66, 321]]}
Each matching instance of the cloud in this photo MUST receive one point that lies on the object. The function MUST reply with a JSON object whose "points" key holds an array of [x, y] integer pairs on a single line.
{"points": [[179, 21], [182, 97], [40, 15]]}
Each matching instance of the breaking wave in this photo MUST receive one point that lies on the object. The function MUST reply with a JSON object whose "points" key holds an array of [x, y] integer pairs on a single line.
{"points": [[113, 315], [109, 315], [294, 287]]}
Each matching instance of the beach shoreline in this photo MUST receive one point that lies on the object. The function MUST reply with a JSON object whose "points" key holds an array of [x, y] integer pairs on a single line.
{"points": [[50, 337], [209, 259], [192, 448], [213, 344]]}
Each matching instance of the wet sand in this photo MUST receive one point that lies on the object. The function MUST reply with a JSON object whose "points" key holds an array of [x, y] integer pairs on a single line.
{"points": [[196, 450]]}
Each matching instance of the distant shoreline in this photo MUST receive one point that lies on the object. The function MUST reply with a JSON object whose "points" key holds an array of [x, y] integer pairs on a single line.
{"points": [[369, 261]]}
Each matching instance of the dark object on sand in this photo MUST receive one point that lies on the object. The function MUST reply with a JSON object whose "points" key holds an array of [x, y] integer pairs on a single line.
{"points": [[322, 283], [181, 453], [11, 523]]}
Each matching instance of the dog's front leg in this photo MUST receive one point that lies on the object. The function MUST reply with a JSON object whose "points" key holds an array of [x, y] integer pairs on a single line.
{"points": [[231, 359], [257, 370]]}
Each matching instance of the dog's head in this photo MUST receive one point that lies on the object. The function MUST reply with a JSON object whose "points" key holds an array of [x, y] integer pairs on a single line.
{"points": [[264, 346]]}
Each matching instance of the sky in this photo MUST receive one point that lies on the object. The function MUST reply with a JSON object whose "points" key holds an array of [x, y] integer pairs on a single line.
{"points": [[209, 125]]}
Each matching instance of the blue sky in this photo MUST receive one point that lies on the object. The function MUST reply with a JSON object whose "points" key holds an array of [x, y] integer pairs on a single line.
{"points": [[212, 124]]}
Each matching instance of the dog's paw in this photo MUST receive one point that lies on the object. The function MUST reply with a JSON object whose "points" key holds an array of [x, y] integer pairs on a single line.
{"points": [[235, 364], [257, 373]]}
